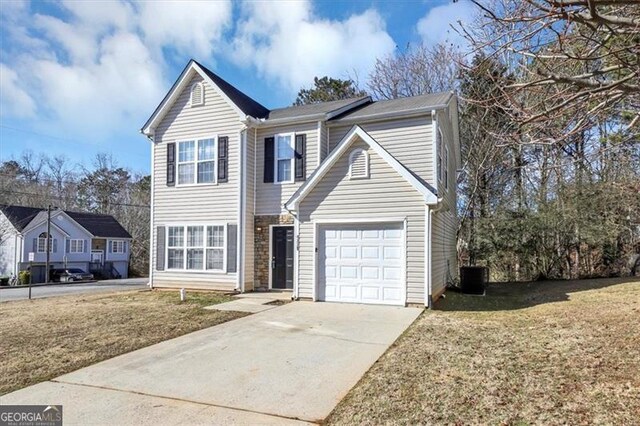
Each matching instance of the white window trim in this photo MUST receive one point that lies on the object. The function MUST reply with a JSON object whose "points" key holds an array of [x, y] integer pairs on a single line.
{"points": [[204, 247], [44, 244], [76, 241], [366, 164], [113, 246], [191, 103], [276, 158], [196, 161]]}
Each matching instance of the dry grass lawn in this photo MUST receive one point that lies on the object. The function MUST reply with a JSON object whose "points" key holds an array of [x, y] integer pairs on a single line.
{"points": [[44, 338], [539, 353]]}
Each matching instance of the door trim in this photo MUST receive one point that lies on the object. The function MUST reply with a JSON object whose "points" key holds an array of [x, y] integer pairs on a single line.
{"points": [[317, 224], [271, 254]]}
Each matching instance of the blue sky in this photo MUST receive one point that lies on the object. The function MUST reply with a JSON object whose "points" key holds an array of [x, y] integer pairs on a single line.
{"points": [[81, 77]]}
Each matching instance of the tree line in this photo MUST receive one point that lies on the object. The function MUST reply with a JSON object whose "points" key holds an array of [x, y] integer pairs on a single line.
{"points": [[104, 187], [549, 115]]}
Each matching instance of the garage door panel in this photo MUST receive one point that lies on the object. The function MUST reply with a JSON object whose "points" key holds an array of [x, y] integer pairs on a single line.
{"points": [[362, 263]]}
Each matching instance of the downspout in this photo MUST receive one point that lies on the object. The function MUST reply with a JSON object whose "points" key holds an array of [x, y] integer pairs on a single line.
{"points": [[429, 218], [151, 212]]}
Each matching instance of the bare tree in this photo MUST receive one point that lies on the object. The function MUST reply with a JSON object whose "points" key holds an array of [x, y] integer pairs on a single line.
{"points": [[418, 70]]}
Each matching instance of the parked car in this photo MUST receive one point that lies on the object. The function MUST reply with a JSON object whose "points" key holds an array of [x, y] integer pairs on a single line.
{"points": [[70, 275]]}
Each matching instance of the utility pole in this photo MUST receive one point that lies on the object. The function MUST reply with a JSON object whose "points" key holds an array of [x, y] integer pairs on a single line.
{"points": [[48, 248]]}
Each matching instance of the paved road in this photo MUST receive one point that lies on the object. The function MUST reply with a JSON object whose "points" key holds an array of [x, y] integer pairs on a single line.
{"points": [[287, 365], [8, 294]]}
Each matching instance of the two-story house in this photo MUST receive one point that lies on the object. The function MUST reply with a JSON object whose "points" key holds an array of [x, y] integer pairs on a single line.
{"points": [[345, 201], [92, 242]]}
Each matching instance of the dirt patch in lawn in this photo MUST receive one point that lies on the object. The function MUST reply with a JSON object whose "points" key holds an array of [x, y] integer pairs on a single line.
{"points": [[44, 338], [538, 353]]}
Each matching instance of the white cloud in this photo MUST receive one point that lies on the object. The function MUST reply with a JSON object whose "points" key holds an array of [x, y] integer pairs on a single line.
{"points": [[193, 26], [14, 100], [435, 26], [286, 43]]}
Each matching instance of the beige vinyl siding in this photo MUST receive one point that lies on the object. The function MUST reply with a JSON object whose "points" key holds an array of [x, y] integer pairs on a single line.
{"points": [[445, 221], [249, 212], [209, 203], [385, 195], [324, 142], [270, 197], [409, 140]]}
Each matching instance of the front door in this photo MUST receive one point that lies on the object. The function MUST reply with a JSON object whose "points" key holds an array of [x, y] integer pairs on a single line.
{"points": [[282, 257]]}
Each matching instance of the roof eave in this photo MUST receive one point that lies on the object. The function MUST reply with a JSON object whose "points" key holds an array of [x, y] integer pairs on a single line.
{"points": [[387, 115]]}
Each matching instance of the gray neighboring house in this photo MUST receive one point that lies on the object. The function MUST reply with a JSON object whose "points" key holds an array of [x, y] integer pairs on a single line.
{"points": [[344, 201], [93, 242]]}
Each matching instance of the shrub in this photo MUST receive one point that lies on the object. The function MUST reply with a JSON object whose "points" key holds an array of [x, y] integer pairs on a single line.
{"points": [[24, 277]]}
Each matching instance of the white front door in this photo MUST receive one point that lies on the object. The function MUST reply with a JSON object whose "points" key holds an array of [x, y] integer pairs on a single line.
{"points": [[96, 256], [361, 263]]}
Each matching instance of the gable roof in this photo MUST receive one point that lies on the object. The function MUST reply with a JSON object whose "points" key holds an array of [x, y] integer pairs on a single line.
{"points": [[320, 110], [246, 104], [410, 105], [418, 184], [19, 216], [240, 102], [100, 225]]}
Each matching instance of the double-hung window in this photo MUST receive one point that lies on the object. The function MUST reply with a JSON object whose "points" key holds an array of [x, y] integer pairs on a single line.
{"points": [[76, 246], [285, 154], [196, 161], [117, 246], [42, 243], [196, 247]]}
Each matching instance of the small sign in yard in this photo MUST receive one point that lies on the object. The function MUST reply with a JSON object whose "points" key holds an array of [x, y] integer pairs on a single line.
{"points": [[32, 256]]}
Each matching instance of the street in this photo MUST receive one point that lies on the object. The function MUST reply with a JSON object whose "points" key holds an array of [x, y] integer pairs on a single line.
{"points": [[20, 293]]}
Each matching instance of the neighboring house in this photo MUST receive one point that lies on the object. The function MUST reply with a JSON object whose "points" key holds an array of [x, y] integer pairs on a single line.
{"points": [[92, 242], [346, 201]]}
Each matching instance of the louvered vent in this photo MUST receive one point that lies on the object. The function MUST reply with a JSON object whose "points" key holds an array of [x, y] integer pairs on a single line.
{"points": [[358, 164], [197, 94]]}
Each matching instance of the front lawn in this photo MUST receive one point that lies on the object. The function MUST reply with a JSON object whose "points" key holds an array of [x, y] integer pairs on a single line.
{"points": [[44, 338], [538, 353]]}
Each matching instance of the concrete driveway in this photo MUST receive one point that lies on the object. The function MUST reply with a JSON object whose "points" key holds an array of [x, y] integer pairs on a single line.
{"points": [[295, 362]]}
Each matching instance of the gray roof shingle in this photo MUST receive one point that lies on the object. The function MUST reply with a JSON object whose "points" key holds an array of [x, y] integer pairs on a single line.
{"points": [[399, 105], [309, 110], [19, 216], [100, 225]]}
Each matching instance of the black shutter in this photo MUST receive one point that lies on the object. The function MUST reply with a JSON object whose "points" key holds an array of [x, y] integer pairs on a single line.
{"points": [[223, 158], [171, 164], [160, 237], [232, 247], [269, 146], [301, 158]]}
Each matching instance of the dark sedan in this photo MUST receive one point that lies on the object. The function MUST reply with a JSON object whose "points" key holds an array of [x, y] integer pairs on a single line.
{"points": [[70, 275]]}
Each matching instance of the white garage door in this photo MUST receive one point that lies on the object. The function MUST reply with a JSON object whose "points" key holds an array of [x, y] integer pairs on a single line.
{"points": [[361, 263]]}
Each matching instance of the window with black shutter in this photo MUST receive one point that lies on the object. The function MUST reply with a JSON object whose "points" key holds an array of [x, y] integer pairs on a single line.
{"points": [[268, 159], [223, 158], [301, 158], [171, 164]]}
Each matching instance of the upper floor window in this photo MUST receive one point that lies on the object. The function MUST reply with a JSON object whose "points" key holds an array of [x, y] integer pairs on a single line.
{"points": [[197, 94], [196, 161], [42, 243], [285, 154], [358, 164]]}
